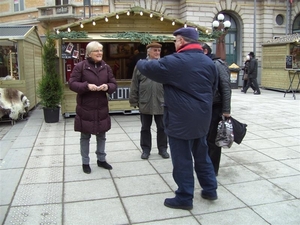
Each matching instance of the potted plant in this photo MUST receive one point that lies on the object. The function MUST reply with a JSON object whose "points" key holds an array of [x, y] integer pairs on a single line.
{"points": [[50, 87]]}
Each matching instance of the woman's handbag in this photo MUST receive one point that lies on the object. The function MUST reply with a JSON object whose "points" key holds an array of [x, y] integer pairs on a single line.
{"points": [[245, 76], [225, 136]]}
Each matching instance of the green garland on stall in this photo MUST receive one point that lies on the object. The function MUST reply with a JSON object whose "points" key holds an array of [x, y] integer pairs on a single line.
{"points": [[70, 35], [204, 37], [146, 38]]}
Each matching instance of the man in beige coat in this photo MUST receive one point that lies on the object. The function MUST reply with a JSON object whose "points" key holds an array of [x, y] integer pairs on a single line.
{"points": [[148, 96]]}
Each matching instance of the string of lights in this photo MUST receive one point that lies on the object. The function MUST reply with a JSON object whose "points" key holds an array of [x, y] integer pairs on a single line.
{"points": [[160, 16], [205, 35]]}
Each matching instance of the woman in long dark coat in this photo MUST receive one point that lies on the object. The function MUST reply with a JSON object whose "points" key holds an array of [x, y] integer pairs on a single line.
{"points": [[92, 79]]}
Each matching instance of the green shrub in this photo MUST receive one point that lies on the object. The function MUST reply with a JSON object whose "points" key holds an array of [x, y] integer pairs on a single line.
{"points": [[50, 87]]}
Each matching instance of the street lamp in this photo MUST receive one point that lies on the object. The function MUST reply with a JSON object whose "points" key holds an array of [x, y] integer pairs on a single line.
{"points": [[222, 26]]}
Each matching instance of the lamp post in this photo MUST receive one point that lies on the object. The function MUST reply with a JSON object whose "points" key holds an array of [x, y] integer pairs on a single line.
{"points": [[221, 26]]}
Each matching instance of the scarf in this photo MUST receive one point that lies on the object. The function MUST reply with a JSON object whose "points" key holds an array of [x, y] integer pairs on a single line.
{"points": [[190, 46]]}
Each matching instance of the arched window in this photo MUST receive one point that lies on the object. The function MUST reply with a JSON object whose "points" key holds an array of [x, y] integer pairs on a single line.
{"points": [[296, 25]]}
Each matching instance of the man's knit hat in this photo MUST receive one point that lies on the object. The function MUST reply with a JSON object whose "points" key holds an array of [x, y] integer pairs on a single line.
{"points": [[188, 32]]}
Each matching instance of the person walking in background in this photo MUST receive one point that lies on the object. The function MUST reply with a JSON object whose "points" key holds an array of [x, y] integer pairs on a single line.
{"points": [[189, 79], [148, 96], [221, 106], [245, 75], [252, 75], [92, 79]]}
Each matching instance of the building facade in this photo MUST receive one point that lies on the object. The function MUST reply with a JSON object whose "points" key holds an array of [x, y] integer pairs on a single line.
{"points": [[253, 22]]}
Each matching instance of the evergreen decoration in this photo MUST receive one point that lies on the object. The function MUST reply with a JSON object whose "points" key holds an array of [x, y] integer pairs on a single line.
{"points": [[50, 87], [70, 35], [204, 37], [146, 38], [143, 38]]}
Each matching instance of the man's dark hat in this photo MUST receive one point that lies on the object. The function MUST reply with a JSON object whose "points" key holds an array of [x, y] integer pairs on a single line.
{"points": [[154, 45], [188, 32], [251, 54]]}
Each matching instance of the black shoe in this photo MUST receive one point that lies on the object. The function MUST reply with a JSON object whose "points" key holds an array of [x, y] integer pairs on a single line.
{"points": [[173, 203], [86, 168], [164, 154], [145, 155], [209, 197], [104, 164], [256, 93]]}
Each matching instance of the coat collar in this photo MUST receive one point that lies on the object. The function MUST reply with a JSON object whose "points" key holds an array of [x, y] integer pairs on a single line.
{"points": [[98, 64], [190, 46]]}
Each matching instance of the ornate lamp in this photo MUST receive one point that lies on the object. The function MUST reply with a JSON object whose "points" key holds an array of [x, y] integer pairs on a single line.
{"points": [[223, 27]]}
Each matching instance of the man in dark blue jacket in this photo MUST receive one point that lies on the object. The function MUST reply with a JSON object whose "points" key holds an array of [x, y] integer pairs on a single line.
{"points": [[189, 78]]}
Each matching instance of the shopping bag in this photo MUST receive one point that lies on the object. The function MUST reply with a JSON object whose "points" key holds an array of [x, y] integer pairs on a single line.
{"points": [[225, 135], [239, 130]]}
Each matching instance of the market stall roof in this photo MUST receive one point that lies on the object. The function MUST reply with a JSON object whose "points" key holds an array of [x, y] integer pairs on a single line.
{"points": [[130, 20], [11, 34], [292, 38]]}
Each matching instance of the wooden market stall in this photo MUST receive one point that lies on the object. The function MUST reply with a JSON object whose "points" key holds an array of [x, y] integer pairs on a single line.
{"points": [[281, 63], [120, 33], [21, 60]]}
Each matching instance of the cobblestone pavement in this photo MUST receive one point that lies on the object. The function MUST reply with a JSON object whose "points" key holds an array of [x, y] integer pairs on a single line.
{"points": [[4, 128], [41, 178], [6, 125]]}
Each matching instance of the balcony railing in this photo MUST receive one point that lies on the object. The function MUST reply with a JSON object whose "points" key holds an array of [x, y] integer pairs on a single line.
{"points": [[57, 12]]}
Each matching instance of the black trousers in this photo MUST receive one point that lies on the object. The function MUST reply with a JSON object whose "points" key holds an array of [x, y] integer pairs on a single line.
{"points": [[245, 84], [252, 82], [214, 151], [146, 138]]}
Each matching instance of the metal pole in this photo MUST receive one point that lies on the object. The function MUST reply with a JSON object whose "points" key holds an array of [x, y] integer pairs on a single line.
{"points": [[83, 9], [254, 28], [287, 21], [89, 8]]}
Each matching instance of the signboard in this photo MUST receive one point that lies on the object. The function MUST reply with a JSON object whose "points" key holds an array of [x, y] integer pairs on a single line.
{"points": [[66, 51], [122, 93], [289, 62], [233, 77]]}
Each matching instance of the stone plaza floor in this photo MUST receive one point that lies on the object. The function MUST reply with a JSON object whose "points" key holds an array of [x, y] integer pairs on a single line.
{"points": [[42, 181]]}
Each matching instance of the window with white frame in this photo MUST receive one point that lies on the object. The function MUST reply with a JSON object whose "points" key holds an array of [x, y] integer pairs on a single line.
{"points": [[97, 2], [61, 2], [18, 5]]}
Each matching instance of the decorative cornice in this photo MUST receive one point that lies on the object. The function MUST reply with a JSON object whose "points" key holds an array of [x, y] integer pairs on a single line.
{"points": [[284, 39]]}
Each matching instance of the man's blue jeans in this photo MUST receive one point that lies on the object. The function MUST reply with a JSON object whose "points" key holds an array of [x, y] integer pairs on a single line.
{"points": [[183, 152]]}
